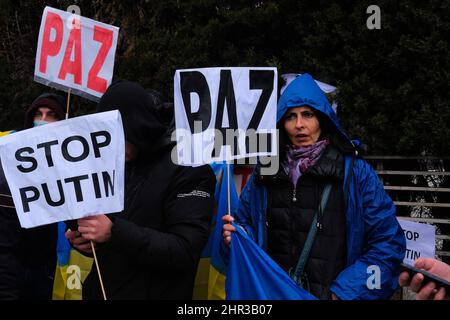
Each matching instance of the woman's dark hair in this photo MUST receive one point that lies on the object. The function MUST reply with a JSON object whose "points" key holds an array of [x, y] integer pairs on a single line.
{"points": [[327, 128], [324, 122]]}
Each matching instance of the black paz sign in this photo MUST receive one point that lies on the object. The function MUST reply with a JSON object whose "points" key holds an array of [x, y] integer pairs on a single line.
{"points": [[224, 113]]}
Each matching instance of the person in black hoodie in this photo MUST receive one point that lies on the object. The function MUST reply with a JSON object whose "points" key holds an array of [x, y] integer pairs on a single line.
{"points": [[150, 250], [28, 256]]}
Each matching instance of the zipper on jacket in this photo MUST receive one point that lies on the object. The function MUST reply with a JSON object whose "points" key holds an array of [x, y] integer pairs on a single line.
{"points": [[294, 195]]}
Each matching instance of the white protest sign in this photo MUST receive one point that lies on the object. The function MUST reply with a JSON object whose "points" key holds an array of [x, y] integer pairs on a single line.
{"points": [[225, 114], [420, 240], [75, 52], [67, 169]]}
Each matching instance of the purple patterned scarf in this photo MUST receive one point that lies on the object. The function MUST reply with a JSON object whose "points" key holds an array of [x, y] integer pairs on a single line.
{"points": [[300, 159]]}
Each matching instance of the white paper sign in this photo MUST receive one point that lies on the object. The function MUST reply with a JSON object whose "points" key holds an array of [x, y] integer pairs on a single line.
{"points": [[420, 240], [67, 169], [75, 52], [225, 114]]}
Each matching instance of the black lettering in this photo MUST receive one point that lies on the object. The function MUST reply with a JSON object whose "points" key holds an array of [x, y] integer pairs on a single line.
{"points": [[410, 235], [408, 253], [231, 137], [107, 182], [195, 81], [260, 79], [48, 197], [226, 95], [25, 199], [65, 151], [251, 142], [97, 191], [412, 254], [407, 234], [77, 185], [21, 158], [48, 152], [96, 145]]}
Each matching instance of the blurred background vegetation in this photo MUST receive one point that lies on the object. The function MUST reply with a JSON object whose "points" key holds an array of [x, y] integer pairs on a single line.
{"points": [[394, 83]]}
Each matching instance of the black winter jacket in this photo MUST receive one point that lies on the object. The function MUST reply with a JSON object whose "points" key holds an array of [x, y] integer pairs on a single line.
{"points": [[291, 211], [156, 241]]}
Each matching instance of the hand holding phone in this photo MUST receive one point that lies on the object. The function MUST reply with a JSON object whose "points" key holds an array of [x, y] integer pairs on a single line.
{"points": [[429, 278]]}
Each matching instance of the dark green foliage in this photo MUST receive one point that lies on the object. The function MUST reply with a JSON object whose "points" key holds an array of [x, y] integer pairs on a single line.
{"points": [[393, 83]]}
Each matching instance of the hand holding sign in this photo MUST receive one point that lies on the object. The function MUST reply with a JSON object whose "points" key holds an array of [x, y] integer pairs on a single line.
{"points": [[96, 228]]}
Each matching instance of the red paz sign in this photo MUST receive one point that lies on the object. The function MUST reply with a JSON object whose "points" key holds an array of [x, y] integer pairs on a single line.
{"points": [[75, 53]]}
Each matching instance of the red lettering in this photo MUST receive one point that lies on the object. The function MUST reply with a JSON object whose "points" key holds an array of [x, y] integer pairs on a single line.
{"points": [[68, 66], [104, 36], [51, 48]]}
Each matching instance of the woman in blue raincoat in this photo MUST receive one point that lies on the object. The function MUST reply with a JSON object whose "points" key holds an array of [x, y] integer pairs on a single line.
{"points": [[324, 217]]}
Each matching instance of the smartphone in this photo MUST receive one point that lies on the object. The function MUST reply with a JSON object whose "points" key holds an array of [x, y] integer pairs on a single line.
{"points": [[427, 277]]}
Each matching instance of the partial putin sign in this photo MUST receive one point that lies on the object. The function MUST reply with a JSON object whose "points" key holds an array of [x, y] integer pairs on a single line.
{"points": [[75, 53]]}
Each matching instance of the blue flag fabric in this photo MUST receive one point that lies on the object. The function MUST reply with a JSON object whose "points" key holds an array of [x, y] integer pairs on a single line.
{"points": [[212, 247], [222, 209], [62, 246], [253, 275], [212, 268]]}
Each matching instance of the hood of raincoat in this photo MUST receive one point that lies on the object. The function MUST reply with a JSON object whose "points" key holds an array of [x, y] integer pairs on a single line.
{"points": [[304, 91]]}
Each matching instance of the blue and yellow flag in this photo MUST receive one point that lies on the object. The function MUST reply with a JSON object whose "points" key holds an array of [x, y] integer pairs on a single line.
{"points": [[72, 269], [5, 133], [253, 275], [210, 280]]}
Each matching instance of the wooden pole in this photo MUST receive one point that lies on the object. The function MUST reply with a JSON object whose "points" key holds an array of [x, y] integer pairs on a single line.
{"points": [[228, 187], [92, 244], [68, 104], [98, 271]]}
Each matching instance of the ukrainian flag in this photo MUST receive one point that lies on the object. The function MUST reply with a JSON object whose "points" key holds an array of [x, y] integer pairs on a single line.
{"points": [[5, 133], [72, 269], [210, 280]]}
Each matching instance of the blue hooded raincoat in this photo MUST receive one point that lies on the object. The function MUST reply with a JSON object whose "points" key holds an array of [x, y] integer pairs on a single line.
{"points": [[375, 241]]}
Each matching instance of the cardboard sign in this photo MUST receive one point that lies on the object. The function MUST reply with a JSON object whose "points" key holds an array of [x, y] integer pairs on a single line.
{"points": [[225, 114], [67, 169], [75, 53], [420, 240]]}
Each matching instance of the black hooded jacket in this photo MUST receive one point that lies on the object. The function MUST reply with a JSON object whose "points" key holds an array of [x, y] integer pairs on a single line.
{"points": [[155, 243]]}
